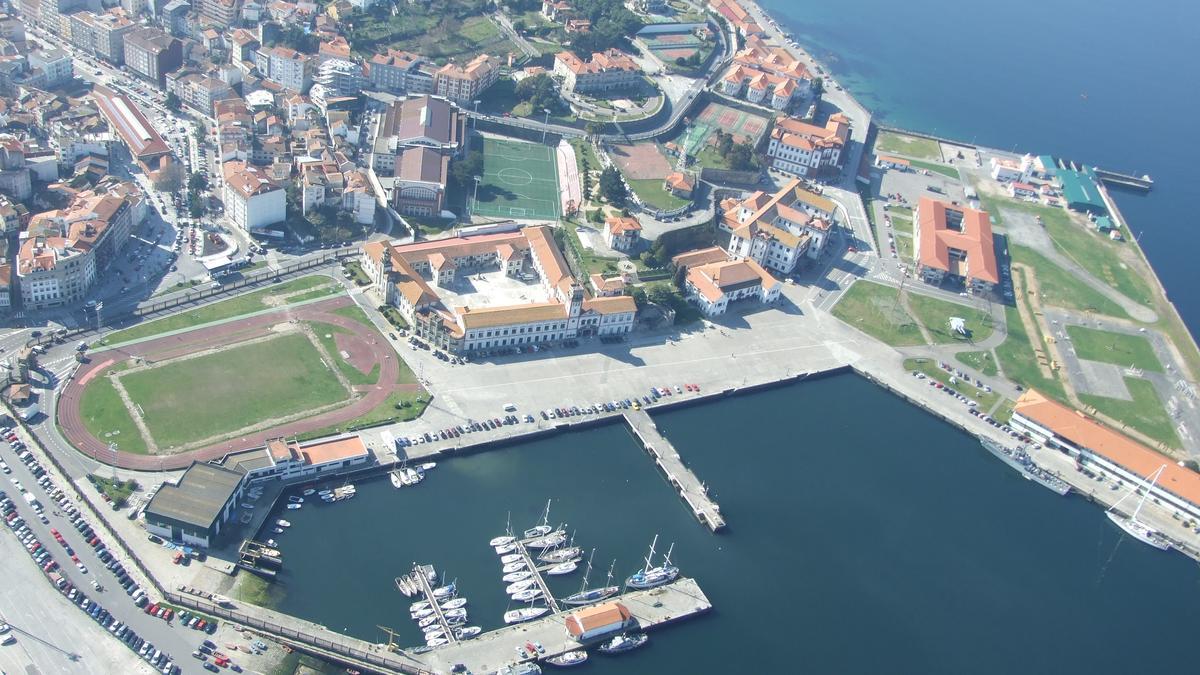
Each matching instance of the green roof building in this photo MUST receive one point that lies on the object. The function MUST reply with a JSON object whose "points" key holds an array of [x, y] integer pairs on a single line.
{"points": [[1081, 191]]}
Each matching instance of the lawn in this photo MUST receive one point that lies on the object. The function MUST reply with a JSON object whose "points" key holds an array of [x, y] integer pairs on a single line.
{"points": [[400, 406], [902, 225], [219, 393], [909, 146], [1018, 359], [983, 361], [357, 274], [327, 334], [904, 247], [651, 192], [1060, 288], [106, 417], [217, 311], [355, 313], [935, 315], [985, 399], [1120, 349], [429, 225], [394, 317], [875, 309], [436, 30], [948, 171], [519, 180], [1145, 413], [591, 263]]}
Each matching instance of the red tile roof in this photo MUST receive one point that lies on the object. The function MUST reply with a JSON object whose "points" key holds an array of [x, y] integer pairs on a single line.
{"points": [[974, 239]]}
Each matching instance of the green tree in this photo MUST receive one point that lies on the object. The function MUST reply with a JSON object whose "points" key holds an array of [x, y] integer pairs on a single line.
{"points": [[741, 157], [680, 278], [612, 187], [197, 181], [172, 101], [661, 294], [649, 259], [639, 296], [463, 171]]}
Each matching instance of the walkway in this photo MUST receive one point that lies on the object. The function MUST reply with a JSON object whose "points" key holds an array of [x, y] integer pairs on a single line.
{"points": [[694, 492]]}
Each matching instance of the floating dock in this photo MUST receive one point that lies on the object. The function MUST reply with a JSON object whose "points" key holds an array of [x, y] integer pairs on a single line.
{"points": [[536, 571], [652, 608], [694, 492], [421, 576]]}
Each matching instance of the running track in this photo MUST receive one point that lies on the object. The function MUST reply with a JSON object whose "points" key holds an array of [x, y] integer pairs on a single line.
{"points": [[71, 422]]}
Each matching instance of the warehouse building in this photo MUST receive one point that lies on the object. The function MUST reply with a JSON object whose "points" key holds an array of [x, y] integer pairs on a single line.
{"points": [[195, 509], [599, 621]]}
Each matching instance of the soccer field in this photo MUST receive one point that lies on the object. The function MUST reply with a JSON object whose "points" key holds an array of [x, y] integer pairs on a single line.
{"points": [[520, 180], [218, 393]]}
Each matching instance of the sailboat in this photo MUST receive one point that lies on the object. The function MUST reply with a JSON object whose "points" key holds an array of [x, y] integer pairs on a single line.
{"points": [[518, 586], [650, 576], [563, 568], [505, 539], [587, 595], [524, 614], [1136, 528], [521, 575], [544, 528]]}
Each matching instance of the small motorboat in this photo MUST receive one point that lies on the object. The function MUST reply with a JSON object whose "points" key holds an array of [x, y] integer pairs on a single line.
{"points": [[277, 530], [518, 586], [296, 500], [563, 568], [413, 476], [467, 632], [516, 576], [514, 566], [511, 558], [624, 642], [453, 604], [568, 659], [428, 465], [505, 548], [293, 506], [283, 523], [395, 478], [501, 541], [561, 554], [524, 614], [527, 595], [308, 492], [272, 543]]}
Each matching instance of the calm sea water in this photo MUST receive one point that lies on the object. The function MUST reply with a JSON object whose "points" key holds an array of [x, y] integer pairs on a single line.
{"points": [[1109, 84], [858, 543]]}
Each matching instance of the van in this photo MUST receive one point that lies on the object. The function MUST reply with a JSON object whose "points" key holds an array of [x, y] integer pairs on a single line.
{"points": [[509, 407]]}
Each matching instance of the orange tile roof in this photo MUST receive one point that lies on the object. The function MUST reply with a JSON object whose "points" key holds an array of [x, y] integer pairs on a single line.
{"points": [[333, 451], [541, 242], [1116, 447], [615, 304], [597, 616], [702, 256], [489, 317], [622, 224], [975, 239]]}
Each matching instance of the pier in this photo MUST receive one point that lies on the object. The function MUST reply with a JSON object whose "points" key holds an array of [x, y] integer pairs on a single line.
{"points": [[651, 608], [1144, 182], [694, 492], [532, 566], [420, 576]]}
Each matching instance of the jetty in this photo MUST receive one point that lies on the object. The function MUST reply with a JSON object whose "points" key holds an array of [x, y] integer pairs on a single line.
{"points": [[1143, 182], [420, 575], [694, 492], [652, 608], [532, 565]]}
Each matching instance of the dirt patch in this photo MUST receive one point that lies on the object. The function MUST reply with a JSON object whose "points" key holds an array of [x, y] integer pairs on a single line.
{"points": [[640, 161], [357, 351]]}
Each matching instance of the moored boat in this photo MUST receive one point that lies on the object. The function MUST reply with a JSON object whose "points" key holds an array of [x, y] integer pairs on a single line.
{"points": [[451, 613], [520, 575], [511, 558], [501, 541], [428, 465], [561, 554], [395, 479], [1134, 527], [524, 668], [296, 500], [624, 642], [283, 523], [444, 591], [467, 632], [547, 541], [524, 614], [568, 659], [518, 586], [514, 567], [505, 548], [527, 595], [563, 568], [453, 604], [294, 506], [437, 642], [308, 492], [413, 476]]}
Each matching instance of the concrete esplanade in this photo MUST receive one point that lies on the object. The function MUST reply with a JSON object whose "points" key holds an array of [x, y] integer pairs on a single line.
{"points": [[678, 474]]}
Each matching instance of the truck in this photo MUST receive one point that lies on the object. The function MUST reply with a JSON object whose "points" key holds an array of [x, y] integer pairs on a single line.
{"points": [[32, 501]]}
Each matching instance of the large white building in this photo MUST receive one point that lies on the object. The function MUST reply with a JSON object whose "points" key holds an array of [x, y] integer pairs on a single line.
{"points": [[286, 67], [778, 231], [714, 286], [606, 70], [400, 71], [464, 84], [766, 75], [252, 200], [801, 149]]}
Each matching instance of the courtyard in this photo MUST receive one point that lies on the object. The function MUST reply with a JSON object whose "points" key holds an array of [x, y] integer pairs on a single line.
{"points": [[491, 288]]}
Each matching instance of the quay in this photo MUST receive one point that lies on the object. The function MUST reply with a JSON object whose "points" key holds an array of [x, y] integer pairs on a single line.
{"points": [[694, 492], [652, 608]]}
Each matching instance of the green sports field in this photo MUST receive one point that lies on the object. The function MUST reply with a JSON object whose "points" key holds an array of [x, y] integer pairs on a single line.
{"points": [[212, 395], [520, 180]]}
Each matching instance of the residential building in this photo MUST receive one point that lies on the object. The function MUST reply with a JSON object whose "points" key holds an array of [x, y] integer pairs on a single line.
{"points": [[151, 53], [400, 272], [15, 178], [12, 28], [400, 71], [802, 149], [606, 70], [463, 84], [599, 621], [194, 510], [766, 75], [219, 13], [101, 34], [713, 286], [340, 77], [51, 12], [776, 231], [954, 242], [286, 67], [622, 233], [198, 91], [358, 198], [1094, 445], [52, 272], [252, 200], [679, 184], [50, 68]]}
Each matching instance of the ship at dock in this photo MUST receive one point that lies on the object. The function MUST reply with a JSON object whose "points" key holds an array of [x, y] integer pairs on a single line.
{"points": [[1020, 460]]}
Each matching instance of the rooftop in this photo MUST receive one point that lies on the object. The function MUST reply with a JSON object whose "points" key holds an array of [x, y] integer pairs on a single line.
{"points": [[198, 498], [943, 227]]}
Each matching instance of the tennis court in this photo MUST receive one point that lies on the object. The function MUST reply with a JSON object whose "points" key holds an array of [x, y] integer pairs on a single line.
{"points": [[743, 126], [520, 180]]}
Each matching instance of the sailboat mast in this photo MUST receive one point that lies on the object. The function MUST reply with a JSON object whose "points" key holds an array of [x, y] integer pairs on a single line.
{"points": [[587, 572], [651, 556], [1142, 503]]}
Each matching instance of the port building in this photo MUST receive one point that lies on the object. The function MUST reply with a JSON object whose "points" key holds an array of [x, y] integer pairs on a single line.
{"points": [[1093, 444], [955, 242], [599, 621], [194, 509], [285, 459]]}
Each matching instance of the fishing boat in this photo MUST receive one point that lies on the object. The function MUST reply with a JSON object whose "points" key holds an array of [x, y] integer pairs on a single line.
{"points": [[518, 586], [395, 478], [501, 541], [293, 507], [544, 528], [624, 642], [511, 558], [561, 554], [296, 500], [506, 548], [1136, 528], [308, 492], [587, 595], [453, 604], [650, 576], [516, 576], [550, 540], [514, 566], [568, 659], [467, 633], [563, 568], [283, 523], [527, 595], [524, 614]]}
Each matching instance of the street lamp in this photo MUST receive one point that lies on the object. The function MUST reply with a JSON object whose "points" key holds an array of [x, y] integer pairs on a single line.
{"points": [[475, 119], [475, 198], [545, 123]]}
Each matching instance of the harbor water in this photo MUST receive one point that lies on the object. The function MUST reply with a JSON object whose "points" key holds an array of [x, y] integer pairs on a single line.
{"points": [[864, 536], [1040, 77]]}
